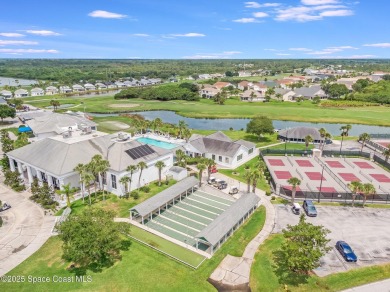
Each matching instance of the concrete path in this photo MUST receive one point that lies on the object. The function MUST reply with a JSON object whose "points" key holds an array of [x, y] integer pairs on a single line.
{"points": [[233, 273], [25, 229], [383, 286]]}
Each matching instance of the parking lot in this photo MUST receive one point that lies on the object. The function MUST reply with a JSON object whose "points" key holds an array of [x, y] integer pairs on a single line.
{"points": [[365, 230]]}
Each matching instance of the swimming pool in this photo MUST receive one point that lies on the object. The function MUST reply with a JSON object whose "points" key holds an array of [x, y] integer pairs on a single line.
{"points": [[157, 143]]}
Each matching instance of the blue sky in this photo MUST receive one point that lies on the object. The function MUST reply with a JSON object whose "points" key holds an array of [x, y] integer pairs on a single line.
{"points": [[195, 29]]}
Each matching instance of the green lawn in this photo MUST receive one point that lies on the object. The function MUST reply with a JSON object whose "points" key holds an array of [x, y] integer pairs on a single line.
{"points": [[264, 276], [113, 202], [304, 111], [238, 174], [141, 268]]}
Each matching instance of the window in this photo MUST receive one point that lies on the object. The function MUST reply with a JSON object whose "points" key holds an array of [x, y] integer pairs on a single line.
{"points": [[213, 157], [239, 157], [250, 151], [226, 160], [113, 181], [220, 158], [104, 178]]}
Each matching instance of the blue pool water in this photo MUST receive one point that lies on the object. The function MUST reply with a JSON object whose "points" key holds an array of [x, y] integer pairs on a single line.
{"points": [[157, 143]]}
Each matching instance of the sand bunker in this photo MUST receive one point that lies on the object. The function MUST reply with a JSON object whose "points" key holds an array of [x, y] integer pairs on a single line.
{"points": [[123, 105]]}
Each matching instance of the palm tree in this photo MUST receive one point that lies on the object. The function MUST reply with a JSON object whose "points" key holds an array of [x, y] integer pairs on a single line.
{"points": [[160, 165], [248, 178], [322, 132], [356, 187], [260, 165], [308, 140], [80, 168], [279, 96], [68, 192], [125, 180], [93, 167], [201, 167], [182, 125], [180, 157], [386, 153], [368, 190], [364, 137], [102, 166], [209, 164], [255, 176], [293, 182], [187, 134], [347, 127], [86, 178], [327, 137], [141, 166], [131, 169], [157, 123]]}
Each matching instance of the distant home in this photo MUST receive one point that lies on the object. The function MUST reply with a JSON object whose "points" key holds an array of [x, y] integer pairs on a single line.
{"points": [[310, 92], [287, 94], [21, 93], [78, 88], [120, 84], [89, 86], [244, 74], [209, 92], [37, 92], [252, 95], [219, 85], [204, 76], [221, 149], [51, 90], [6, 93], [243, 85], [100, 86], [65, 89]]}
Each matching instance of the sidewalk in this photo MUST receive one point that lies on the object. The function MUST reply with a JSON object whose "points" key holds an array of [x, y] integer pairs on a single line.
{"points": [[233, 273], [382, 286]]}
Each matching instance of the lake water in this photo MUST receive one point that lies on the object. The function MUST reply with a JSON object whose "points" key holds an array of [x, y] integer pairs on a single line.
{"points": [[237, 124], [12, 81]]}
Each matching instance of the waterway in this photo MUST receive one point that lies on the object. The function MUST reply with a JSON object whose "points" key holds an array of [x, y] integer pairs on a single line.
{"points": [[237, 124]]}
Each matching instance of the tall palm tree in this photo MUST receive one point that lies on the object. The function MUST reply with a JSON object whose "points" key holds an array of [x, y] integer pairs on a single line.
{"points": [[209, 164], [68, 192], [308, 140], [248, 178], [125, 180], [182, 125], [327, 137], [141, 166], [293, 182], [80, 168], [180, 157], [260, 165], [356, 187], [187, 134], [92, 167], [157, 123], [255, 176], [322, 132], [102, 166], [201, 167], [131, 169], [160, 165], [364, 138], [386, 153], [367, 190], [87, 177], [347, 127]]}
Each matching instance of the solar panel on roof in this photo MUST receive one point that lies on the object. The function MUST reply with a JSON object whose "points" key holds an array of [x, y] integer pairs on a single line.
{"points": [[140, 151]]}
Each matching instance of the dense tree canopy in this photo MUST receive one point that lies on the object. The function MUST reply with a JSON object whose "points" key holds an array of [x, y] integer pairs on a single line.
{"points": [[6, 112], [260, 125]]}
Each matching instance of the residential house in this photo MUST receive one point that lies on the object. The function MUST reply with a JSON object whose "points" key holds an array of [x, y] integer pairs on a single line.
{"points": [[309, 92], [21, 93], [100, 86], [6, 94], [65, 89], [287, 94], [209, 92], [155, 81], [252, 95], [244, 74], [204, 76], [37, 92], [221, 84], [89, 86], [112, 86], [51, 90], [221, 149], [78, 88], [243, 85], [120, 84], [285, 83], [261, 88]]}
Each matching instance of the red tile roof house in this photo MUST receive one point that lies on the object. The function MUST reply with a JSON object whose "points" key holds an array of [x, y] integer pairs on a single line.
{"points": [[221, 84], [243, 85]]}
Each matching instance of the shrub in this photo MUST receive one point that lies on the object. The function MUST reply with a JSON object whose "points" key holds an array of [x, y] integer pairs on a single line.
{"points": [[145, 189], [134, 195], [273, 198], [268, 193]]}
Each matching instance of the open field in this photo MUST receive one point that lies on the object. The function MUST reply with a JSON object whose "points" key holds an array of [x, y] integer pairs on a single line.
{"points": [[304, 112], [141, 268]]}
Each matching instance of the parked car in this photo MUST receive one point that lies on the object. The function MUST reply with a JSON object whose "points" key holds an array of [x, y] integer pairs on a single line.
{"points": [[296, 209], [5, 206], [222, 185], [309, 208], [233, 190], [211, 180], [216, 182], [346, 251]]}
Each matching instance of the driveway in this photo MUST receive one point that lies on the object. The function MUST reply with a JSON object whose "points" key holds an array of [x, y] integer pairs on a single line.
{"points": [[25, 229], [366, 231]]}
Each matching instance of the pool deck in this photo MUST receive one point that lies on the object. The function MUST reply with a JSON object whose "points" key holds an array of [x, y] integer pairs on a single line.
{"points": [[162, 138]]}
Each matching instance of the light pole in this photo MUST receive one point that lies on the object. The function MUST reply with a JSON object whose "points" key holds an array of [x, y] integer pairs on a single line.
{"points": [[322, 176]]}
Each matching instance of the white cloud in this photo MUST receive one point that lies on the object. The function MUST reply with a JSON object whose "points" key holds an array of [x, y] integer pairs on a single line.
{"points": [[362, 57], [140, 35], [283, 54], [258, 5], [272, 50], [323, 52], [332, 13], [379, 45], [223, 55], [43, 32], [319, 2], [344, 48], [6, 42], [106, 14], [28, 51], [300, 49], [188, 35], [11, 34], [260, 14], [245, 20]]}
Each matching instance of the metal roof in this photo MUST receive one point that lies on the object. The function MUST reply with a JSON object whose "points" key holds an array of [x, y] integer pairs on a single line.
{"points": [[300, 133], [165, 196], [214, 232]]}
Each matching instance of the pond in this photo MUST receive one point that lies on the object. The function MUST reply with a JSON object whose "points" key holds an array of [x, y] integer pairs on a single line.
{"points": [[16, 81], [237, 124]]}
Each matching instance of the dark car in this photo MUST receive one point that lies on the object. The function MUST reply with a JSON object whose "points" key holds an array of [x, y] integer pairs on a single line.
{"points": [[222, 185], [309, 208], [346, 251], [5, 206]]}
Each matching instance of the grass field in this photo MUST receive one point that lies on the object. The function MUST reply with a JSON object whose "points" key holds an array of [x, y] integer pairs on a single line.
{"points": [[141, 268], [265, 277], [304, 111]]}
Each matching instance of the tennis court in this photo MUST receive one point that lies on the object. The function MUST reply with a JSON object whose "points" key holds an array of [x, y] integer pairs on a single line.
{"points": [[304, 163], [313, 175], [380, 177], [334, 164], [363, 165], [348, 176], [384, 144], [280, 174], [276, 162]]}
